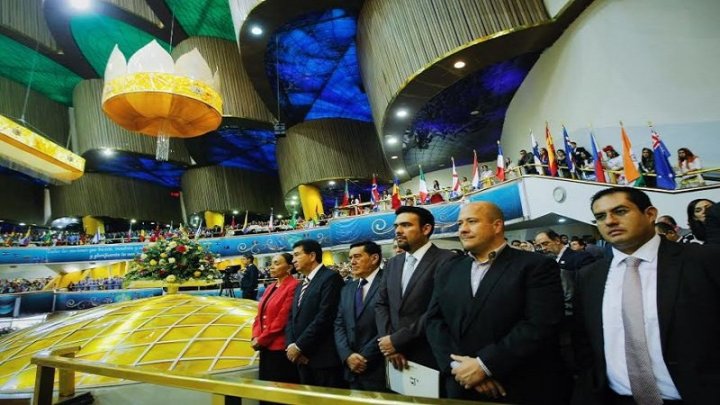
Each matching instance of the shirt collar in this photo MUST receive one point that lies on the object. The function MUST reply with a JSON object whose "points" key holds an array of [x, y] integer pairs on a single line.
{"points": [[372, 275], [312, 273], [490, 259], [647, 252], [420, 252]]}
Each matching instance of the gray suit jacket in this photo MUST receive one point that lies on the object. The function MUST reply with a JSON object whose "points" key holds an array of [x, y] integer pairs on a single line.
{"points": [[403, 317]]}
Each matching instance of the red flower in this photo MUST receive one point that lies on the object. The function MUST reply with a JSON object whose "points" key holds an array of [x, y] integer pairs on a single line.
{"points": [[181, 248]]}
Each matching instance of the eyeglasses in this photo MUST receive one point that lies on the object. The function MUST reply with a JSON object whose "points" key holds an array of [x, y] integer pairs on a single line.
{"points": [[617, 212]]}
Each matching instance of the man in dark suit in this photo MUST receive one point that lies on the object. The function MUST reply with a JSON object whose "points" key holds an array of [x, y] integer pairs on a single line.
{"points": [[647, 318], [570, 262], [494, 317], [310, 332], [406, 288], [355, 330], [249, 281]]}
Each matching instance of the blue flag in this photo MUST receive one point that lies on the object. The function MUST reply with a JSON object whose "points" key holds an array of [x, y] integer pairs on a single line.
{"points": [[569, 151], [663, 168]]}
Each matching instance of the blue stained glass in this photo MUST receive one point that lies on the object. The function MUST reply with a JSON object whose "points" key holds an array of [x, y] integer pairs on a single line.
{"points": [[318, 68], [236, 146], [136, 166]]}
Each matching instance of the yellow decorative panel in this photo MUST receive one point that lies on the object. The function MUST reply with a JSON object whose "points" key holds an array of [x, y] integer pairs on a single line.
{"points": [[196, 335], [24, 147]]}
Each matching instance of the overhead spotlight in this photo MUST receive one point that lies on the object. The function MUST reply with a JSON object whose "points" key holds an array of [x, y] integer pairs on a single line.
{"points": [[402, 113], [459, 64], [256, 30], [279, 216], [22, 224], [331, 182], [132, 221], [294, 197], [82, 5], [108, 152], [391, 140], [235, 212], [393, 157], [152, 223], [400, 171]]}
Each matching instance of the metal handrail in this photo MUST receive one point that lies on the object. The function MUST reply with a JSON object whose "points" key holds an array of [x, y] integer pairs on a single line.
{"points": [[62, 358]]}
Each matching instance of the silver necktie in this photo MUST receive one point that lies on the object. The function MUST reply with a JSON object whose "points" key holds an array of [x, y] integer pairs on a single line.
{"points": [[408, 270]]}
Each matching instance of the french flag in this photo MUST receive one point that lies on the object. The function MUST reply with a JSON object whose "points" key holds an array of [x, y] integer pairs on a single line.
{"points": [[500, 172]]}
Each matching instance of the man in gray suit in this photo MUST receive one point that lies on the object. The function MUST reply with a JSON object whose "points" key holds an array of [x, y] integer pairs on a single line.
{"points": [[355, 330], [406, 289]]}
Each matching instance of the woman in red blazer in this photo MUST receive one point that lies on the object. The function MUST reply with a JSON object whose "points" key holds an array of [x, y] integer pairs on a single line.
{"points": [[269, 326]]}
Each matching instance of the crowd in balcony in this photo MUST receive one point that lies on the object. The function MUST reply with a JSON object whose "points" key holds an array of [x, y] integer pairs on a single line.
{"points": [[20, 285], [95, 284]]}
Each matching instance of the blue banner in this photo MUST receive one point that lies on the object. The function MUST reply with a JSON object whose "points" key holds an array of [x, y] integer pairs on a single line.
{"points": [[70, 301], [340, 231]]}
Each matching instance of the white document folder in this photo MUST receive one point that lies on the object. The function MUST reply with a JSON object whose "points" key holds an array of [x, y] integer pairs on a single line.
{"points": [[417, 381]]}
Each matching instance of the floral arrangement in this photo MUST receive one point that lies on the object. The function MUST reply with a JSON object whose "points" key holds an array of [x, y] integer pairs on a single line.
{"points": [[176, 259]]}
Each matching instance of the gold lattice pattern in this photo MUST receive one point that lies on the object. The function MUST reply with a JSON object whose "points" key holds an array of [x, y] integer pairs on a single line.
{"points": [[173, 332]]}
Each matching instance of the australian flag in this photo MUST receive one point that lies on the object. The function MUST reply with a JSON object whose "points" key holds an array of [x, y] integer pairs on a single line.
{"points": [[663, 168]]}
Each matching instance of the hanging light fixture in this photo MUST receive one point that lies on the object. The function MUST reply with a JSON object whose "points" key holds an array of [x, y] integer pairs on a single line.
{"points": [[153, 95]]}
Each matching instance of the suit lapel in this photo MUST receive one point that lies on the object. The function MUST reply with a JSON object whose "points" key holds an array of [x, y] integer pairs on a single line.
{"points": [[419, 272], [371, 291], [669, 268], [594, 302], [493, 275]]}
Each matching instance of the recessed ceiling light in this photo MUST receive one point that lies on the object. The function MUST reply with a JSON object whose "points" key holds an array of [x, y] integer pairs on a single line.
{"points": [[400, 171], [402, 113], [81, 5], [459, 64], [132, 221], [474, 112], [22, 224], [279, 216], [331, 182], [393, 157], [293, 203], [294, 197], [235, 212], [561, 220], [256, 30], [107, 152], [391, 140]]}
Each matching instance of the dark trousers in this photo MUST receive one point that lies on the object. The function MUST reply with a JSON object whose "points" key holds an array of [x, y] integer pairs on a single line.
{"points": [[274, 366], [331, 377], [368, 385], [249, 294]]}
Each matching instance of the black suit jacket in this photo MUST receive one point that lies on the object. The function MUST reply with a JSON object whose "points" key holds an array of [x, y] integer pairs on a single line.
{"points": [[403, 316], [511, 324], [250, 277], [359, 335], [310, 326], [688, 299]]}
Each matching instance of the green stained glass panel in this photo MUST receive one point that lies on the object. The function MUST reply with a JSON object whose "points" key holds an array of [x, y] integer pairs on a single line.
{"points": [[209, 18]]}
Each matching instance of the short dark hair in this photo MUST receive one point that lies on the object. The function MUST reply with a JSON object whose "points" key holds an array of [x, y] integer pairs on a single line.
{"points": [[310, 246], [578, 240], [426, 217], [515, 241], [248, 256], [551, 234], [637, 197], [370, 247], [670, 219]]}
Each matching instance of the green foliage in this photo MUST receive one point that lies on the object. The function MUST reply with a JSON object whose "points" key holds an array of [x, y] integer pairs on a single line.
{"points": [[179, 256]]}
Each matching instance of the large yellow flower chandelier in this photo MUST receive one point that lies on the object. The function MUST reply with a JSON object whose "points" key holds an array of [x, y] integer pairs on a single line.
{"points": [[156, 96]]}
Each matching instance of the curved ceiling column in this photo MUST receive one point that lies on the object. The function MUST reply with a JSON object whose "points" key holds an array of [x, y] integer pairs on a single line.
{"points": [[417, 51], [315, 152], [103, 195], [223, 189]]}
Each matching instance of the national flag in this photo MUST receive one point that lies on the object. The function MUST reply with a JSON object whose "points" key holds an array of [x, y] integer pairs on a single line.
{"points": [[395, 198], [374, 194], [569, 152], [422, 186], [26, 240], [293, 220], [552, 161], [597, 161], [500, 171], [346, 195], [270, 222], [245, 224], [536, 153], [629, 167], [96, 239], [232, 223], [197, 231], [663, 168], [455, 178], [476, 172]]}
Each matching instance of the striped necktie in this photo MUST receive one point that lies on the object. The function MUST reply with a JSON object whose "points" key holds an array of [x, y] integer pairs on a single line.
{"points": [[304, 287]]}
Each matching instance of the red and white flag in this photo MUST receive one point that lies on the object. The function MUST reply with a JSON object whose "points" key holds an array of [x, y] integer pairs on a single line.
{"points": [[500, 171], [455, 178], [476, 172]]}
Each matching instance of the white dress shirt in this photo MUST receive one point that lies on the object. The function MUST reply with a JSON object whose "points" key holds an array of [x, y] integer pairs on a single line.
{"points": [[369, 279], [418, 254], [614, 331]]}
